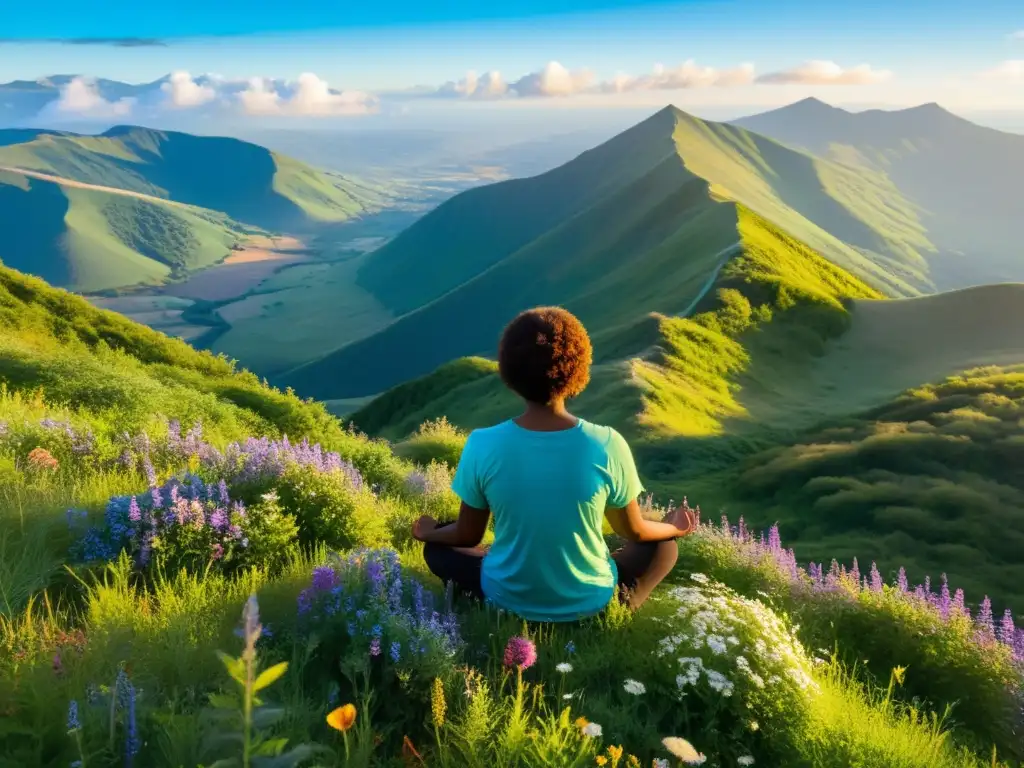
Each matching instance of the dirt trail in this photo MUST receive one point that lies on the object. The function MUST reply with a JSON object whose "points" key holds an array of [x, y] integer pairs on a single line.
{"points": [[723, 256], [60, 180]]}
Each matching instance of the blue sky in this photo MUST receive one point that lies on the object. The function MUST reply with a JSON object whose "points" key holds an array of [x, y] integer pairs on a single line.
{"points": [[925, 49]]}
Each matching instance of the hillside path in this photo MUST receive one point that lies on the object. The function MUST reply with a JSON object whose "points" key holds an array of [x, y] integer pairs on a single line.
{"points": [[723, 257], [60, 180]]}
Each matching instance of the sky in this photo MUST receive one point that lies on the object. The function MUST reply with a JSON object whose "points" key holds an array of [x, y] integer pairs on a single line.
{"points": [[309, 58]]}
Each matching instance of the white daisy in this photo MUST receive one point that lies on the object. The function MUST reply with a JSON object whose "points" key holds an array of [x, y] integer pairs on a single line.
{"points": [[565, 667], [592, 729], [745, 760]]}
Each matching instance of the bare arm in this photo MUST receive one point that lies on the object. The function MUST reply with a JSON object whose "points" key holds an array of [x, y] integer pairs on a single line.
{"points": [[468, 530], [631, 525]]}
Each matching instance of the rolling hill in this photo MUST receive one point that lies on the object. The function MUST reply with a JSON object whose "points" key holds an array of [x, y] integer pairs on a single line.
{"points": [[135, 206], [639, 224], [966, 181]]}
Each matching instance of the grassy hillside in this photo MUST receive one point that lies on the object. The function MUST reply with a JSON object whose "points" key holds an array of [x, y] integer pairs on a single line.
{"points": [[245, 181], [93, 239], [966, 181], [134, 206], [930, 480], [146, 496], [85, 358]]}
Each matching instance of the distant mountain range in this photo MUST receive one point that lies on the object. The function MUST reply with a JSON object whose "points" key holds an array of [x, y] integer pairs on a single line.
{"points": [[64, 214], [648, 222], [966, 182]]}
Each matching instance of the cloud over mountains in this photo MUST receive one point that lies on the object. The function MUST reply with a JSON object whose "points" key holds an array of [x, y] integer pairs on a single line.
{"points": [[311, 96]]}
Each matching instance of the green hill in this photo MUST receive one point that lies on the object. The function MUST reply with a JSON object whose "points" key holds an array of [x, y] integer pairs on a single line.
{"points": [[93, 239], [245, 181], [134, 206], [965, 180], [97, 361], [640, 224]]}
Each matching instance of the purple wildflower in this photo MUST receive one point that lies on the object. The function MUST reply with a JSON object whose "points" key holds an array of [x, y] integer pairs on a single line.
{"points": [[134, 513], [1007, 630], [323, 578], [876, 579], [375, 647], [217, 551], [396, 651], [984, 621], [901, 580]]}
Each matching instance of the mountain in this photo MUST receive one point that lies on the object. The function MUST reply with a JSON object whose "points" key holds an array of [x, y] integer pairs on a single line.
{"points": [[133, 205], [965, 180], [640, 224]]}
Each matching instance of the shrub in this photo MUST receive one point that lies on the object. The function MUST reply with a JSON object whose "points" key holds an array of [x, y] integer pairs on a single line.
{"points": [[436, 440], [190, 525]]}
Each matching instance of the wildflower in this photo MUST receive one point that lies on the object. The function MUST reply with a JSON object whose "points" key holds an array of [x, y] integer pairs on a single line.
{"points": [[40, 458], [745, 760], [615, 753], [520, 652], [396, 651], [634, 687], [565, 667], [700, 578], [73, 722], [601, 760], [581, 722], [593, 730], [659, 762], [342, 718], [375, 647], [684, 750], [568, 696], [438, 706], [570, 647]]}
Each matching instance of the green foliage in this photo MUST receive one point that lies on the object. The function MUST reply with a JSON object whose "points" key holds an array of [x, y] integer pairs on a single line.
{"points": [[329, 510], [258, 750], [436, 440], [974, 687], [930, 481]]}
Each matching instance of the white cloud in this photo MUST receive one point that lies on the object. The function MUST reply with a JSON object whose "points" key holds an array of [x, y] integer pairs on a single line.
{"points": [[1018, 35], [826, 73], [184, 92], [686, 75], [1008, 70], [490, 85], [81, 97], [553, 80], [309, 96]]}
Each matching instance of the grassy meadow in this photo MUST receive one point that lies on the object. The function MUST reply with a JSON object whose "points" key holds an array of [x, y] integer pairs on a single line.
{"points": [[198, 570]]}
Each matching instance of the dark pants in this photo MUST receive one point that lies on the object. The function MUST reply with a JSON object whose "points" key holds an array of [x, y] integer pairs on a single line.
{"points": [[641, 568]]}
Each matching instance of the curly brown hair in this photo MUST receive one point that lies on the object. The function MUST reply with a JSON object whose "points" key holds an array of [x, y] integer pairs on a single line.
{"points": [[545, 355]]}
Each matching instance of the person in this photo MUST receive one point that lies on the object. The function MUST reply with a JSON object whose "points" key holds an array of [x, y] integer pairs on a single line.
{"points": [[550, 478]]}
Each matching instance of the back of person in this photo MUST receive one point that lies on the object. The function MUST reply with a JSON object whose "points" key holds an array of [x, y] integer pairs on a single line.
{"points": [[548, 491]]}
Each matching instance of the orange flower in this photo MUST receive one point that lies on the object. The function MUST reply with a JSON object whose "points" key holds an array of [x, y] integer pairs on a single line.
{"points": [[342, 718], [581, 722], [40, 458], [601, 760]]}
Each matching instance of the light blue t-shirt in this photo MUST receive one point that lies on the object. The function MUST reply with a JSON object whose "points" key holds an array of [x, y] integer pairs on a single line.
{"points": [[548, 492]]}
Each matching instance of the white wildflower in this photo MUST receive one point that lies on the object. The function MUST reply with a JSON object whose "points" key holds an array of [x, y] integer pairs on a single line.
{"points": [[592, 729], [745, 760], [634, 687], [565, 667], [567, 696], [700, 578], [660, 762], [717, 645]]}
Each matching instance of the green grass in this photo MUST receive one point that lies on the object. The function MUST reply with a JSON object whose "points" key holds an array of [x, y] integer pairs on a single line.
{"points": [[67, 634]]}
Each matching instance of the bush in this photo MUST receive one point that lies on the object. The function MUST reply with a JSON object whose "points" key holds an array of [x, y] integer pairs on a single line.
{"points": [[436, 440], [190, 525]]}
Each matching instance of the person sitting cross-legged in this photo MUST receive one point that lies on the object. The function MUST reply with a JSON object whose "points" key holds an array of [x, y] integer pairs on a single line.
{"points": [[550, 479]]}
